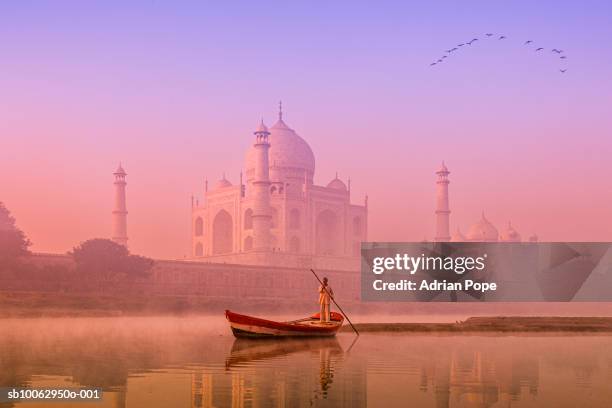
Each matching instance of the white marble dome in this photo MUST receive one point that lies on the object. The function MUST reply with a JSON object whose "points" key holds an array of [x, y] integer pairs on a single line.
{"points": [[442, 169], [289, 155], [337, 184], [223, 183], [510, 234], [120, 171], [262, 128], [483, 230], [458, 236]]}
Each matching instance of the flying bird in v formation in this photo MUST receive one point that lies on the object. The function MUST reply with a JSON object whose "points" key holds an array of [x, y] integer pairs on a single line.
{"points": [[500, 37]]}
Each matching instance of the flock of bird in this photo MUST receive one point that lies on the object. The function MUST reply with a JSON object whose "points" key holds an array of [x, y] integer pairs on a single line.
{"points": [[450, 51]]}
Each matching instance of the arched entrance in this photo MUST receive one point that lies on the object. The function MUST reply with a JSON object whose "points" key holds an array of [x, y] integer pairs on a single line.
{"points": [[199, 227], [327, 233], [222, 233], [248, 219]]}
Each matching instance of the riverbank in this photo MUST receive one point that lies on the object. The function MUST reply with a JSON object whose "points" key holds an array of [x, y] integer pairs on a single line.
{"points": [[497, 324], [436, 315], [36, 304]]}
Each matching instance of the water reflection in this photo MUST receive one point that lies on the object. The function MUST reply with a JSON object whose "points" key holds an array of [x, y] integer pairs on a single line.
{"points": [[282, 372], [253, 350], [328, 351], [185, 363]]}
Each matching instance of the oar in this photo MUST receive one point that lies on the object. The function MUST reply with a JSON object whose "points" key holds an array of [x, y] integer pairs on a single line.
{"points": [[335, 303], [348, 350]]}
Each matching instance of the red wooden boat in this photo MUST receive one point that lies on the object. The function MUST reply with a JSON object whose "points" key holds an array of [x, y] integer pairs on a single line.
{"points": [[248, 326]]}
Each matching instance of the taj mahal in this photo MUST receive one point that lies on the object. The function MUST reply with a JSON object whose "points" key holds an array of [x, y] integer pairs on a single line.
{"points": [[278, 216]]}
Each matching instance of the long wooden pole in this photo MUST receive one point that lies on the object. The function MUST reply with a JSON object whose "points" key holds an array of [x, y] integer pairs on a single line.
{"points": [[335, 303]]}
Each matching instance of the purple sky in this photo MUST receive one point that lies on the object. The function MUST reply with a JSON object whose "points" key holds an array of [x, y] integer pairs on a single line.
{"points": [[174, 91]]}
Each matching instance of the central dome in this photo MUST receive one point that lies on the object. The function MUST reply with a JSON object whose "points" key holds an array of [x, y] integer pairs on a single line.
{"points": [[289, 155], [483, 231]]}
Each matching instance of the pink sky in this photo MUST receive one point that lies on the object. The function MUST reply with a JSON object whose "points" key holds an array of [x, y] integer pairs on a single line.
{"points": [[175, 94]]}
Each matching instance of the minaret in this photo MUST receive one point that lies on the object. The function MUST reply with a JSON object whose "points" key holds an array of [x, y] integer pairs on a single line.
{"points": [[442, 208], [120, 211], [262, 217]]}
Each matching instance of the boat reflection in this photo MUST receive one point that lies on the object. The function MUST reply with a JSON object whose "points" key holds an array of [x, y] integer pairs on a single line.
{"points": [[327, 352], [251, 350]]}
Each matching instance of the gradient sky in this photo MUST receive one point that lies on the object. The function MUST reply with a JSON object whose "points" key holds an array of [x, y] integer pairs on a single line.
{"points": [[174, 90]]}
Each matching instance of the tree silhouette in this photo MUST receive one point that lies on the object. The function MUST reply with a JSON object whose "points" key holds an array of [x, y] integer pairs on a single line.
{"points": [[13, 242], [105, 259]]}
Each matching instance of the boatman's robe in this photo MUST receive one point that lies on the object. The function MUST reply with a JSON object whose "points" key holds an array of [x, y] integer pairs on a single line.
{"points": [[324, 299]]}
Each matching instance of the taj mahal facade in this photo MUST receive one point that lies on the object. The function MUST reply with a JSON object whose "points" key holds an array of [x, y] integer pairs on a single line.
{"points": [[277, 216]]}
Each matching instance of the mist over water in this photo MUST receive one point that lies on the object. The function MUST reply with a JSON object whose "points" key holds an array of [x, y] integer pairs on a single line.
{"points": [[196, 362]]}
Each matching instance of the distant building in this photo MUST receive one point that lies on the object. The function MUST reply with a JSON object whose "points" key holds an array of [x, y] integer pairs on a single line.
{"points": [[279, 217], [481, 231], [442, 207], [120, 210]]}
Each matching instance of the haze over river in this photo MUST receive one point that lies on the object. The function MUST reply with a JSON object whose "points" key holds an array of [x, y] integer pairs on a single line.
{"points": [[196, 362]]}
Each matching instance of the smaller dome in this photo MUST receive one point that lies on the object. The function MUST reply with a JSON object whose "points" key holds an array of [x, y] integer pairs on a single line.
{"points": [[223, 183], [443, 169], [120, 171], [337, 184], [262, 128], [458, 236], [510, 234], [483, 231]]}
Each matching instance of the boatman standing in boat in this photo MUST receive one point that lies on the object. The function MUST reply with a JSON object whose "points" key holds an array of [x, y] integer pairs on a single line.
{"points": [[325, 295]]}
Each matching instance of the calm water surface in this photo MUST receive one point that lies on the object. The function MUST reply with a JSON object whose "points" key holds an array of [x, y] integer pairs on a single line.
{"points": [[195, 362]]}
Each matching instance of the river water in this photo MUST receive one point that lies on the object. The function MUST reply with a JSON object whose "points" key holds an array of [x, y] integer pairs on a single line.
{"points": [[195, 362]]}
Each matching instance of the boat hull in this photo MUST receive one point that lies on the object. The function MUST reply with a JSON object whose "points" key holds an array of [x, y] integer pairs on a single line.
{"points": [[254, 327]]}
